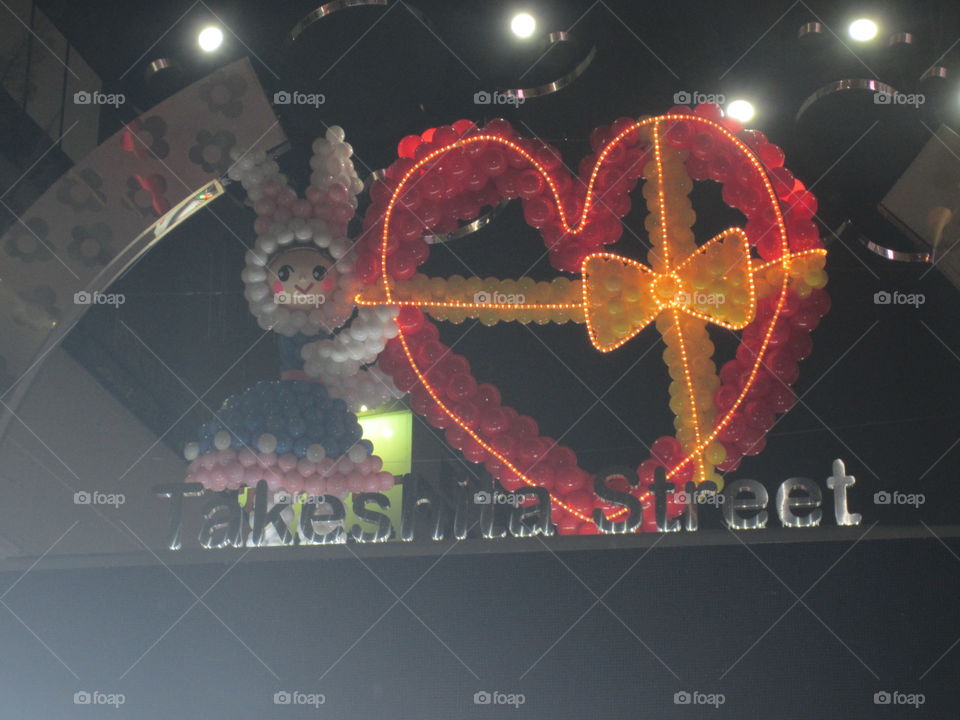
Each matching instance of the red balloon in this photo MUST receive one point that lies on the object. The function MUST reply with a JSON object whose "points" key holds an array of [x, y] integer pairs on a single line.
{"points": [[493, 421], [667, 450]]}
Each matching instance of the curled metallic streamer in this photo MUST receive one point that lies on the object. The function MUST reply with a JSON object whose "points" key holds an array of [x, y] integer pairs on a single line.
{"points": [[562, 81], [158, 66], [896, 255], [482, 221], [325, 10], [837, 86], [485, 219]]}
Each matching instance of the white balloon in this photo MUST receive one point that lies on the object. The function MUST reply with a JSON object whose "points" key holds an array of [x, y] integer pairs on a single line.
{"points": [[267, 443]]}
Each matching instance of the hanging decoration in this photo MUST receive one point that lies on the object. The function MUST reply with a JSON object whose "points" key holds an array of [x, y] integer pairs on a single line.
{"points": [[300, 434], [764, 280]]}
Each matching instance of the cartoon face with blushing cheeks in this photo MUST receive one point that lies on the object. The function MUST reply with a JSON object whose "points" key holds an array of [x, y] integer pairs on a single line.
{"points": [[301, 276]]}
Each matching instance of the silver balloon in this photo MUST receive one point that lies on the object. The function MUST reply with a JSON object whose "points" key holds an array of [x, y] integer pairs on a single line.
{"points": [[309, 519], [539, 514], [786, 503], [384, 527], [420, 496], [262, 517], [661, 487], [733, 505], [839, 482], [223, 522], [633, 520], [177, 492]]}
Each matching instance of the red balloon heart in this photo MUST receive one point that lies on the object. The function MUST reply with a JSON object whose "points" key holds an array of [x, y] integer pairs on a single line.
{"points": [[449, 174]]}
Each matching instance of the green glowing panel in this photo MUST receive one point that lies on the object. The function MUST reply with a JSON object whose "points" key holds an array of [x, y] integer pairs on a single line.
{"points": [[392, 436]]}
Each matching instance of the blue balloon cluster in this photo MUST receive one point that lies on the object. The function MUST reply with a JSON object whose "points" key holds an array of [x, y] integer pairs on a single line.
{"points": [[298, 414]]}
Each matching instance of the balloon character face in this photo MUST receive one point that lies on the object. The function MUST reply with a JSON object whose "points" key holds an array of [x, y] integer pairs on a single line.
{"points": [[301, 276]]}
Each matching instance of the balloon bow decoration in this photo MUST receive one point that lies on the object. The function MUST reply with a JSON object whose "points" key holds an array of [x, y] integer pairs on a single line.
{"points": [[763, 280]]}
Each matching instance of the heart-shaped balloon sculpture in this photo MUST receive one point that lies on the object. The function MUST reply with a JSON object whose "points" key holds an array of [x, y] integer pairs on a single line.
{"points": [[764, 280]]}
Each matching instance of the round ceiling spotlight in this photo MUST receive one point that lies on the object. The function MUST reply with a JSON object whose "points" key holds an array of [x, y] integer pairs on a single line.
{"points": [[523, 25], [741, 110], [863, 30], [210, 38]]}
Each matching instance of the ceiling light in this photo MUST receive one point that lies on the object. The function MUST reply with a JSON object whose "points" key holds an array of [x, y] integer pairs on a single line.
{"points": [[863, 30], [741, 110], [210, 38], [523, 25]]}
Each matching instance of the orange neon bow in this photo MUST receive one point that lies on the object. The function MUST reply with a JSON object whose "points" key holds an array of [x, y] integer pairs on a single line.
{"points": [[713, 283]]}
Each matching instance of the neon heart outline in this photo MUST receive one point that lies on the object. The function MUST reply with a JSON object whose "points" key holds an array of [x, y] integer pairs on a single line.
{"points": [[657, 122]]}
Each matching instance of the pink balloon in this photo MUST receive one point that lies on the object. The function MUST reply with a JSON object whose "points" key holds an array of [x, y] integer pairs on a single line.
{"points": [[267, 459], [272, 188], [314, 195], [302, 209], [355, 483], [264, 206], [282, 215], [313, 485], [235, 471], [336, 485], [247, 457], [338, 194], [261, 225], [287, 197], [325, 466], [371, 483], [376, 463], [275, 480], [209, 460], [294, 482], [201, 476], [287, 462], [252, 475], [218, 479], [344, 465], [305, 467], [342, 213], [226, 456]]}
